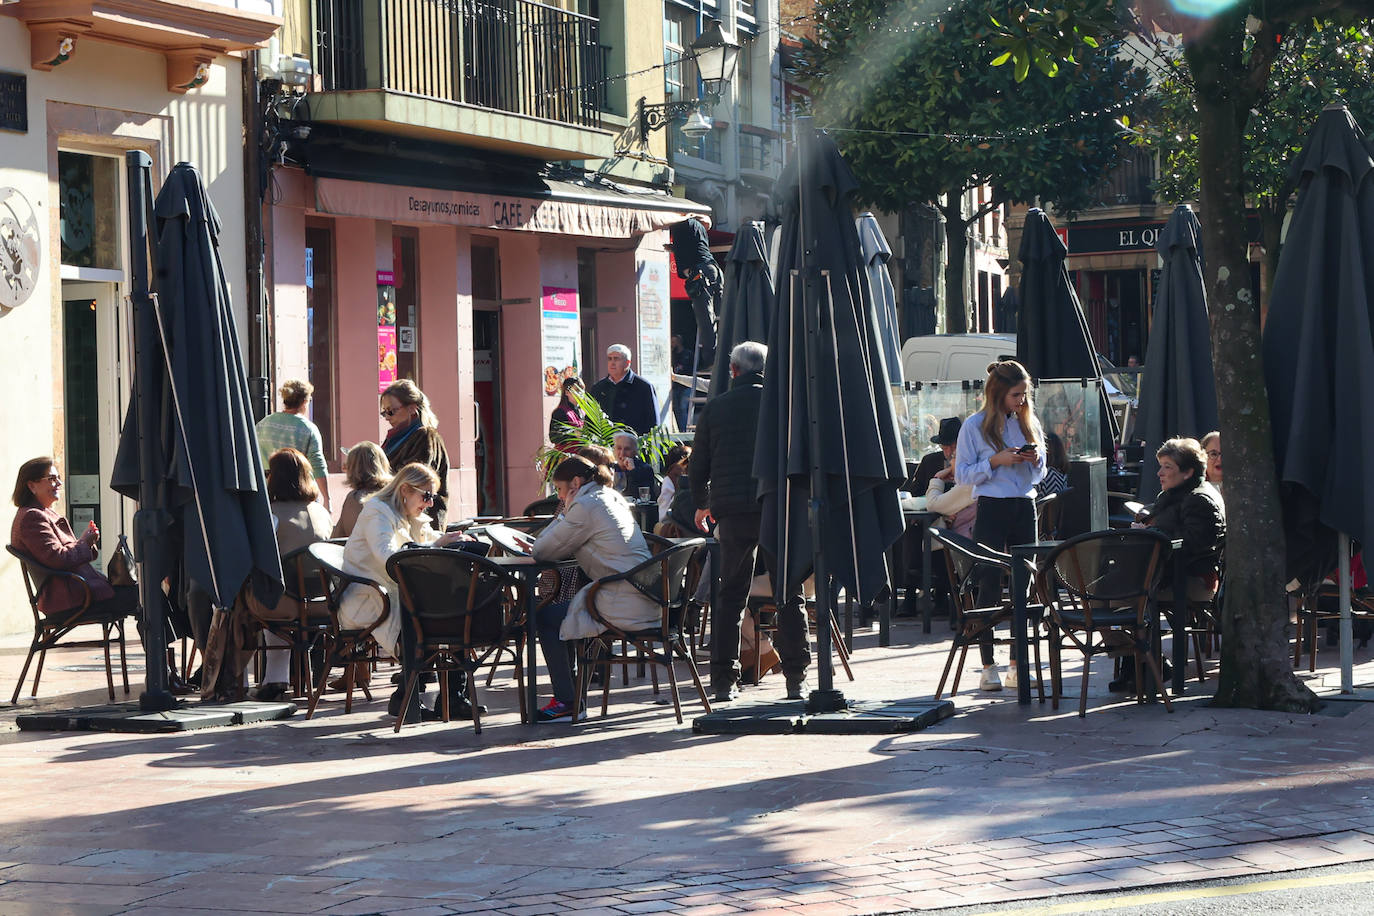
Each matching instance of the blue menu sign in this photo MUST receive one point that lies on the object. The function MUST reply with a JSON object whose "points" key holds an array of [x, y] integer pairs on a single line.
{"points": [[14, 102]]}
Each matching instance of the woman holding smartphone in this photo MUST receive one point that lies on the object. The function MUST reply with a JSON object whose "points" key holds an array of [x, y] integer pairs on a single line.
{"points": [[1000, 454]]}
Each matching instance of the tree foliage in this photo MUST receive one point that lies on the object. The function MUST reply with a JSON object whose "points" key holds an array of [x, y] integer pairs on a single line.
{"points": [[905, 86], [1230, 51]]}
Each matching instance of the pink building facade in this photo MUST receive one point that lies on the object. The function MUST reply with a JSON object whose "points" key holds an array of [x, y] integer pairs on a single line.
{"points": [[486, 301]]}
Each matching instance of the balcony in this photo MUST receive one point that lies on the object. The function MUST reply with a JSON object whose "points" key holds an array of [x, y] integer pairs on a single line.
{"points": [[513, 75], [1130, 184]]}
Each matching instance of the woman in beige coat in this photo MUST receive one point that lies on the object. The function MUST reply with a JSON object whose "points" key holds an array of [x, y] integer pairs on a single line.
{"points": [[598, 530]]}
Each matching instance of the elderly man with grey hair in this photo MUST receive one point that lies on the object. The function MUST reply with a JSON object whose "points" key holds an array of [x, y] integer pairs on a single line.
{"points": [[726, 491], [626, 397], [631, 473]]}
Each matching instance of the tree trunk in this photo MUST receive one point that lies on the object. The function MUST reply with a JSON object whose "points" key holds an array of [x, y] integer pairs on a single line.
{"points": [[1256, 667], [956, 253], [1271, 214]]}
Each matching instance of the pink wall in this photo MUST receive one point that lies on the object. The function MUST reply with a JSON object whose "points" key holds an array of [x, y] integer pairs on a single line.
{"points": [[291, 344], [617, 320], [445, 342], [521, 391], [355, 329]]}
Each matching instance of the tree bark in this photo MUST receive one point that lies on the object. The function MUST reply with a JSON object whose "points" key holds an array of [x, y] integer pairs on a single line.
{"points": [[1256, 668], [956, 253]]}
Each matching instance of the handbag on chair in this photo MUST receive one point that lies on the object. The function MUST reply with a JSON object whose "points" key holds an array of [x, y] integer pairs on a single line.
{"points": [[120, 569]]}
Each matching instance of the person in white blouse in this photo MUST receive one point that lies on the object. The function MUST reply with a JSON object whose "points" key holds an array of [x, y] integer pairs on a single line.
{"points": [[1000, 454], [390, 519]]}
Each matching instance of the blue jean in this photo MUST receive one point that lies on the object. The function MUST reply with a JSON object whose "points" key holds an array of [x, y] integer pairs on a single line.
{"points": [[558, 655]]}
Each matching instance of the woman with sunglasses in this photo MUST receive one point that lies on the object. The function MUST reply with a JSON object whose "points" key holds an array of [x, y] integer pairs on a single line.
{"points": [[392, 518], [414, 437]]}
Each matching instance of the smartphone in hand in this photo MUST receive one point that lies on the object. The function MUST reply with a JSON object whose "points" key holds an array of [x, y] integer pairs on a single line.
{"points": [[1025, 449]]}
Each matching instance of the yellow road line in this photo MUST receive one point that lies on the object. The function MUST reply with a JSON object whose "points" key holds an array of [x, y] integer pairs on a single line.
{"points": [[1234, 890]]}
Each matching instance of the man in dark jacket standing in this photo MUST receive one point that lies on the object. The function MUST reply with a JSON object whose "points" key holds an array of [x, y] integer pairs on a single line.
{"points": [[626, 397], [724, 489]]}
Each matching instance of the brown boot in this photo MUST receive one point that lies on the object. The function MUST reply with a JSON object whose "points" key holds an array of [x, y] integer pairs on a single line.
{"points": [[362, 677]]}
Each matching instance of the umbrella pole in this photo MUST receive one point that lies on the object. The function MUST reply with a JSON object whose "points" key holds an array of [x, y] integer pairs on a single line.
{"points": [[151, 520], [1347, 637], [825, 698]]}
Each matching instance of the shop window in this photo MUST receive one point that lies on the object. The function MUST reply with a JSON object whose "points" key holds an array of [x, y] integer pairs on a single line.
{"points": [[405, 265], [88, 198], [319, 312]]}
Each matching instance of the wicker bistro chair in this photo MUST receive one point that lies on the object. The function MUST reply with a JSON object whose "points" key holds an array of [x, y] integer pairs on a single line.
{"points": [[968, 563], [310, 626], [663, 579], [1098, 587], [463, 611], [50, 629], [343, 647]]}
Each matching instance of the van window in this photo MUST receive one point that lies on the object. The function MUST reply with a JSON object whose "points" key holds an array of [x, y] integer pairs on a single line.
{"points": [[967, 364]]}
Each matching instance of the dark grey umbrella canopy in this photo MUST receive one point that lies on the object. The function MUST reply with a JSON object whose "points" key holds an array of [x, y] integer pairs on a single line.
{"points": [[876, 254], [861, 455], [747, 303], [1178, 393], [1319, 334], [212, 475], [1052, 339]]}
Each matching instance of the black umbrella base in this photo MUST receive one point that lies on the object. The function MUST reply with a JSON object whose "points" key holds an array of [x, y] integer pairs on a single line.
{"points": [[127, 717], [863, 717]]}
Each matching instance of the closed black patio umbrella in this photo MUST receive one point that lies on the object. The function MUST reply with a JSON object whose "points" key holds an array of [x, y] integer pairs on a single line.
{"points": [[746, 304], [876, 253], [1052, 339], [188, 451], [1178, 393], [1319, 341], [827, 429]]}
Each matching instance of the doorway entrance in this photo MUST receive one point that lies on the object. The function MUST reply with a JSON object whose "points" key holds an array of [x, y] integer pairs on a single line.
{"points": [[490, 449]]}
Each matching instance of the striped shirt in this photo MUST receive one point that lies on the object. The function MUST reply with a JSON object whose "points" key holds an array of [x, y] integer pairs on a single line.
{"points": [[289, 430], [973, 462]]}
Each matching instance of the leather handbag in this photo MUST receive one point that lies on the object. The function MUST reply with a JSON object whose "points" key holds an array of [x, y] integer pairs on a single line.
{"points": [[120, 569]]}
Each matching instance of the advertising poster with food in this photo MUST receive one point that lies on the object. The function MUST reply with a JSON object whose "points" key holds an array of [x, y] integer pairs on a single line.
{"points": [[653, 358], [562, 331], [386, 357]]}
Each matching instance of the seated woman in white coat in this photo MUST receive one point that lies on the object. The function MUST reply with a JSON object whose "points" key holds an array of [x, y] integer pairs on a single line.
{"points": [[389, 520], [596, 528]]}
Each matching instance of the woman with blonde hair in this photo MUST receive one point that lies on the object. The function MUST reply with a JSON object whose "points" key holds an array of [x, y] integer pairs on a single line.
{"points": [[366, 471], [414, 437], [1000, 454], [390, 519]]}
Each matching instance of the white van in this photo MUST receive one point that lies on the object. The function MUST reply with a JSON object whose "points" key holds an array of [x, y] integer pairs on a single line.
{"points": [[950, 357]]}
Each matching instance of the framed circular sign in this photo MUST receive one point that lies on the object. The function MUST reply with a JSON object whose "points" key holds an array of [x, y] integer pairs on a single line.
{"points": [[20, 245]]}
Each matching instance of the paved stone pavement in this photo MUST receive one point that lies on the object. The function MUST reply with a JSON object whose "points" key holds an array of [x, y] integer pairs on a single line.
{"points": [[635, 814]]}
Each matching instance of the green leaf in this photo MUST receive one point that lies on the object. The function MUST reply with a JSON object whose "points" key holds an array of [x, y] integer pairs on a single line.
{"points": [[1001, 59]]}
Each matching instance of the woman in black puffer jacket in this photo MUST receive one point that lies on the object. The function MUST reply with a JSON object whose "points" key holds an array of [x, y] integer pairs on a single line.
{"points": [[1191, 508]]}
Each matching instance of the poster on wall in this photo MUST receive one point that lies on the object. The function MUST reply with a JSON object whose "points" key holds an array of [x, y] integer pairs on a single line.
{"points": [[561, 334], [386, 356], [653, 358]]}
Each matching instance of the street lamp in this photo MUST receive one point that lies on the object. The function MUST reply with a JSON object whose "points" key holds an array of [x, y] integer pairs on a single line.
{"points": [[716, 55]]}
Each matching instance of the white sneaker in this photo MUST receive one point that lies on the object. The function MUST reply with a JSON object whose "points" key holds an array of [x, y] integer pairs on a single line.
{"points": [[991, 681], [1010, 681]]}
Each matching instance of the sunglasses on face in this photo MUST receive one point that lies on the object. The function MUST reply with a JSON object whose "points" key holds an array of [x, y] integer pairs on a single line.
{"points": [[425, 495], [389, 412]]}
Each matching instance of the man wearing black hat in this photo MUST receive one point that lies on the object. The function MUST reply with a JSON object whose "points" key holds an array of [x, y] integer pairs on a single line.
{"points": [[919, 483], [935, 462]]}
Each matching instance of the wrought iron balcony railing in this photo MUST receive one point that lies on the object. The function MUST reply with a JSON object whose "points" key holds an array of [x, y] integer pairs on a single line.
{"points": [[518, 56]]}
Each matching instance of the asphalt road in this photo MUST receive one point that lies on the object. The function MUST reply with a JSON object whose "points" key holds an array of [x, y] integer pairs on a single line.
{"points": [[1344, 890]]}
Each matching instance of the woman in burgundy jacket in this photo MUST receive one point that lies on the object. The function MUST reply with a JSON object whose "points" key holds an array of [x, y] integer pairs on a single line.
{"points": [[46, 536]]}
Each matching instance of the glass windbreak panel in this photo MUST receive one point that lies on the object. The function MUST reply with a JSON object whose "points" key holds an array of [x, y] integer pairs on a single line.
{"points": [[930, 402], [905, 429], [88, 195], [1071, 409]]}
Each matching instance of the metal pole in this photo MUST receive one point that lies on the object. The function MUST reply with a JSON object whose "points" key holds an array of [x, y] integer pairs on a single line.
{"points": [[1347, 638], [151, 520]]}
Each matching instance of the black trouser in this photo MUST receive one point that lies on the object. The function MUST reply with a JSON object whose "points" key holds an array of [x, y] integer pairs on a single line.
{"points": [[705, 289], [739, 540], [1001, 522]]}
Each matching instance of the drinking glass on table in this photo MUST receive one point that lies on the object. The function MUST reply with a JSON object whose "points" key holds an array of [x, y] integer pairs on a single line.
{"points": [[644, 494]]}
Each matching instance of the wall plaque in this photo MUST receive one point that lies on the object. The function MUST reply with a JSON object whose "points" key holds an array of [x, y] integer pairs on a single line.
{"points": [[14, 102]]}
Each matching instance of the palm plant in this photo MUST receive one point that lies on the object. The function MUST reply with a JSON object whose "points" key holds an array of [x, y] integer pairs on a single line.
{"points": [[599, 429]]}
